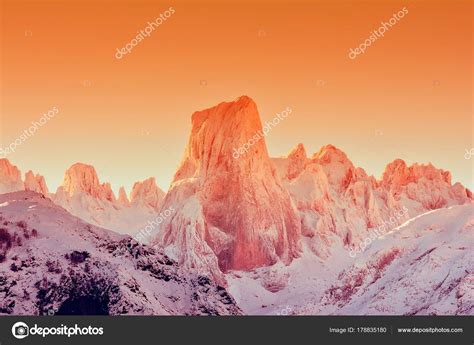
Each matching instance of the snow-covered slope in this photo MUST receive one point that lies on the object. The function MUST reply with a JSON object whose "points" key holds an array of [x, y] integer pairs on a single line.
{"points": [[54, 263], [425, 266]]}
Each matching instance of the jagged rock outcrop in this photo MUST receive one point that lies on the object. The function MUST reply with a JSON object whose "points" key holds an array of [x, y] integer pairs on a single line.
{"points": [[123, 198], [147, 193], [35, 183], [339, 203], [430, 188]]}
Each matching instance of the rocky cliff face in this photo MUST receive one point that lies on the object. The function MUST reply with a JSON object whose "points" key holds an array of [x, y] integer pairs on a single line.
{"points": [[232, 213]]}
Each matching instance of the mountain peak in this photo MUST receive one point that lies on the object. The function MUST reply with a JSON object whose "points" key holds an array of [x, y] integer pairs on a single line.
{"points": [[242, 109], [147, 193], [297, 160], [10, 177], [122, 197], [226, 167], [336, 165], [329, 153], [82, 178], [244, 100], [298, 152], [222, 131]]}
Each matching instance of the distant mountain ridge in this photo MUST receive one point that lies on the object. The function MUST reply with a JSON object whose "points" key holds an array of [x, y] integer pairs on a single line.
{"points": [[82, 194]]}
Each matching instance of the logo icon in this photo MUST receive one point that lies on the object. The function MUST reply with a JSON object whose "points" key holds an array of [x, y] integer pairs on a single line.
{"points": [[285, 311], [20, 330]]}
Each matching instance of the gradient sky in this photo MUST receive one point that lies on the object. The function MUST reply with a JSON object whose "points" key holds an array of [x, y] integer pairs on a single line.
{"points": [[409, 96]]}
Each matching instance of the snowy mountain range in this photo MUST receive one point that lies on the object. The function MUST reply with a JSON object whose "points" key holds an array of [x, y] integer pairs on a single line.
{"points": [[278, 233], [82, 194]]}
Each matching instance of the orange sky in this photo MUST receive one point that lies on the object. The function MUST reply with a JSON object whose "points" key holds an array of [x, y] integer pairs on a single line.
{"points": [[409, 96]]}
